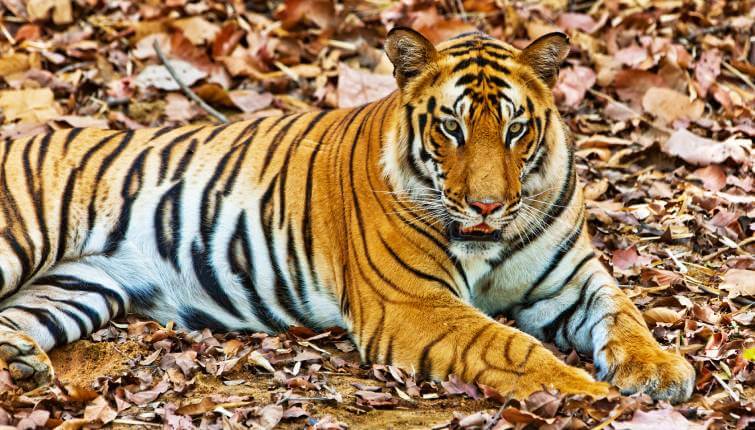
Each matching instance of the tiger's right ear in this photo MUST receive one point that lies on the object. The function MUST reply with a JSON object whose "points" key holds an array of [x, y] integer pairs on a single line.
{"points": [[409, 52]]}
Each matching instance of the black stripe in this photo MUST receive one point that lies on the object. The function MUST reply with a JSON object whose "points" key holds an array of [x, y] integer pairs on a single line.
{"points": [[416, 272], [282, 290], [555, 293], [276, 141], [132, 185], [244, 269], [564, 247], [186, 158], [167, 151], [207, 278], [168, 235], [72, 283], [550, 329], [70, 137], [196, 319], [48, 320], [216, 130], [425, 370], [93, 315]]}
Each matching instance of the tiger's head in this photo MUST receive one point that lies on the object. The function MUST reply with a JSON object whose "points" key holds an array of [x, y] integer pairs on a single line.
{"points": [[473, 124]]}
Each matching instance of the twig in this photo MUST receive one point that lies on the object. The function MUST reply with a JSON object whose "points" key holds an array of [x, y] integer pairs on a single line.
{"points": [[186, 90], [135, 422], [738, 74]]}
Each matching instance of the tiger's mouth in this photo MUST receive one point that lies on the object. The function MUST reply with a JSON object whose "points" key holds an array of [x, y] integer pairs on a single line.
{"points": [[478, 233]]}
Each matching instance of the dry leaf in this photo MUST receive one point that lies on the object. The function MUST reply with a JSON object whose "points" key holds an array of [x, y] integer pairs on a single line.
{"points": [[40, 10], [669, 105], [29, 106], [157, 76], [702, 151], [656, 420], [661, 314], [197, 29], [739, 282], [357, 87], [99, 410], [250, 101]]}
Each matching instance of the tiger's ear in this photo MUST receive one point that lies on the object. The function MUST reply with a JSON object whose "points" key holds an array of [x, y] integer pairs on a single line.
{"points": [[409, 52], [545, 55]]}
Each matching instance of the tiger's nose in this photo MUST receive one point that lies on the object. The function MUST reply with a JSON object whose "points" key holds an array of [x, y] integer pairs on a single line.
{"points": [[485, 208]]}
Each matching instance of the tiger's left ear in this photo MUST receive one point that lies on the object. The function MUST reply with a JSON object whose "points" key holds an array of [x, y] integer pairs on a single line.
{"points": [[545, 55], [409, 52]]}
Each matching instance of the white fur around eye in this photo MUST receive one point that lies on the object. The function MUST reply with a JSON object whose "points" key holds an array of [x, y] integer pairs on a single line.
{"points": [[513, 135]]}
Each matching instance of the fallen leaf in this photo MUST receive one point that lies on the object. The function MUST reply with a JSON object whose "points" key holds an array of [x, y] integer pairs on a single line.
{"points": [[572, 85], [29, 106], [703, 151], [100, 410], [707, 68], [669, 105], [157, 76], [250, 101], [39, 10], [661, 314], [197, 29], [739, 282], [357, 87], [656, 420], [713, 177]]}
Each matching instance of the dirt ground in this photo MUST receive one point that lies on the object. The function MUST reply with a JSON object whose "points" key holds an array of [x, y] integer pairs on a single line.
{"points": [[83, 362]]}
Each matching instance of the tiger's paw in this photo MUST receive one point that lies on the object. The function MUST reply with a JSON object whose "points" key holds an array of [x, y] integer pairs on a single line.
{"points": [[28, 364], [660, 374]]}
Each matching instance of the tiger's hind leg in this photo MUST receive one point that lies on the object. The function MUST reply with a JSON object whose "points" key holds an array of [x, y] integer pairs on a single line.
{"points": [[65, 304]]}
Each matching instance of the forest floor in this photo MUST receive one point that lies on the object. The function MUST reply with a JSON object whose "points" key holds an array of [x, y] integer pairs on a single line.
{"points": [[658, 93]]}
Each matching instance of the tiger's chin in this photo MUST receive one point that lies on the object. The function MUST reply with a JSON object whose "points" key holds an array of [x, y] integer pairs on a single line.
{"points": [[475, 242]]}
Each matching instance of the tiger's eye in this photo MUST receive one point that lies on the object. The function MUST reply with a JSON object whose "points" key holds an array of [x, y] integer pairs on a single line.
{"points": [[516, 128], [451, 125]]}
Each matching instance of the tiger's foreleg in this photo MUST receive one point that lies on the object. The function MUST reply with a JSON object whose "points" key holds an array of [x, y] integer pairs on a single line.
{"points": [[591, 314], [65, 304], [439, 335]]}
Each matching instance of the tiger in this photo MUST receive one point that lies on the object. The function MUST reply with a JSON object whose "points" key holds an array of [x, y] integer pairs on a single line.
{"points": [[411, 222]]}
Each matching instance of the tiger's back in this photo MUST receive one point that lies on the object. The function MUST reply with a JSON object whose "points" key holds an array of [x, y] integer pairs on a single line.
{"points": [[171, 215]]}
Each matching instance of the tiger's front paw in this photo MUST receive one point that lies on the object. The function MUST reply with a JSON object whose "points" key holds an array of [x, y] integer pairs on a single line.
{"points": [[28, 364], [660, 374]]}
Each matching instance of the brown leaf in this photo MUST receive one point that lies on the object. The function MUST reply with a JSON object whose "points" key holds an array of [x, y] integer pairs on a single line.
{"points": [[357, 87], [702, 151], [250, 100], [437, 27], [669, 105], [29, 106], [455, 386], [40, 10], [194, 409], [655, 420], [713, 177], [661, 314], [197, 29], [739, 282], [376, 400], [572, 85], [100, 410], [707, 68], [625, 258]]}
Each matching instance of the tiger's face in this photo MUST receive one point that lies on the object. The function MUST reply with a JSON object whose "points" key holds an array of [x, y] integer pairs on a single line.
{"points": [[474, 120]]}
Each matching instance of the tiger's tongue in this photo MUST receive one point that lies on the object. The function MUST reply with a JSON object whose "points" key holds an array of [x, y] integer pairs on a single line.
{"points": [[479, 228]]}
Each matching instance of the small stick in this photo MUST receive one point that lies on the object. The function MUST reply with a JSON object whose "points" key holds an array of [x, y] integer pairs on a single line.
{"points": [[738, 74], [186, 90]]}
